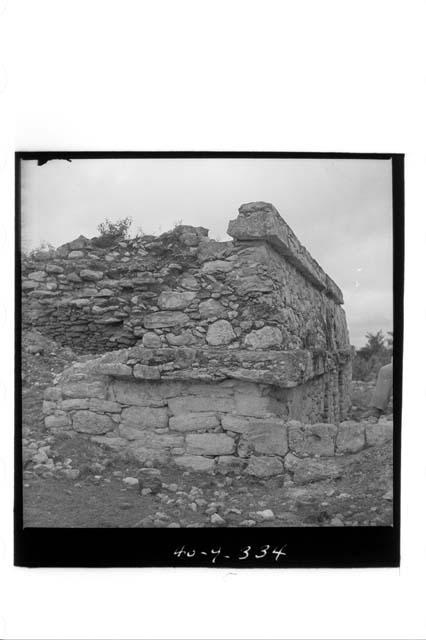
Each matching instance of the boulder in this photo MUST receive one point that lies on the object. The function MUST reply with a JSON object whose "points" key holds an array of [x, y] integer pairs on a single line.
{"points": [[211, 308], [220, 333]]}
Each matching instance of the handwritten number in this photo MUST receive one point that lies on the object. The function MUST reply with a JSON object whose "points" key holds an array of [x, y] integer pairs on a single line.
{"points": [[179, 552], [263, 551], [279, 552], [216, 553], [246, 551]]}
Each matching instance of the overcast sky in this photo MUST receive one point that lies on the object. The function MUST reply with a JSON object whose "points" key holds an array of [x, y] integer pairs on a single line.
{"points": [[341, 211]]}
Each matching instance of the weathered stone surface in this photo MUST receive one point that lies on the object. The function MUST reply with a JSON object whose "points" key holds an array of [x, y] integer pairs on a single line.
{"points": [[54, 268], [57, 422], [144, 394], [217, 266], [95, 389], [162, 319], [195, 463], [88, 274], [311, 439], [174, 300], [193, 422], [211, 308], [73, 404], [151, 440], [38, 276], [308, 470], [116, 369], [146, 372], [183, 339], [198, 404], [264, 466], [108, 406], [52, 393], [249, 405], [267, 437], [189, 282], [226, 464], [151, 340], [209, 444], [350, 437], [220, 333], [378, 434], [265, 338], [145, 417], [91, 422]]}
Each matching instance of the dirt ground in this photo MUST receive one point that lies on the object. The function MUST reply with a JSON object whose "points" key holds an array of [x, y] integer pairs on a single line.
{"points": [[86, 485]]}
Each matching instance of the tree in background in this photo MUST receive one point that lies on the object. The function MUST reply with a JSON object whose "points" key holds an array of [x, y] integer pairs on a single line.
{"points": [[372, 356]]}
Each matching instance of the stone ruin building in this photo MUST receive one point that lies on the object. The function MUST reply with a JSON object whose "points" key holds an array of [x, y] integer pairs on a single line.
{"points": [[213, 355]]}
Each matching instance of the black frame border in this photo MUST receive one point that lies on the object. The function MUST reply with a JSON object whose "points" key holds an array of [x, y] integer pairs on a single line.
{"points": [[305, 547]]}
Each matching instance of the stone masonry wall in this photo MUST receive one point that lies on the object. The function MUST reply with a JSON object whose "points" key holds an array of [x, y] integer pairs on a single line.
{"points": [[260, 291], [209, 410]]}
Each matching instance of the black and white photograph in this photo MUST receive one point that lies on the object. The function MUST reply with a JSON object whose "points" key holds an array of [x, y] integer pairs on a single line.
{"points": [[207, 343]]}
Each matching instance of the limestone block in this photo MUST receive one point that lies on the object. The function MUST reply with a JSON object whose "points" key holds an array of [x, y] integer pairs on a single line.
{"points": [[265, 338], [57, 422], [38, 276], [162, 319], [209, 444], [264, 466], [52, 393], [145, 417], [253, 284], [197, 404], [151, 340], [95, 389], [74, 404], [189, 282], [195, 463], [144, 394], [150, 439], [91, 422], [115, 369], [268, 437], [249, 405], [193, 422], [88, 274], [49, 407], [174, 300], [214, 250], [146, 372], [211, 308], [311, 439], [227, 464], [306, 470], [214, 266], [220, 333], [108, 406], [75, 255], [54, 268], [350, 437], [183, 339], [378, 434]]}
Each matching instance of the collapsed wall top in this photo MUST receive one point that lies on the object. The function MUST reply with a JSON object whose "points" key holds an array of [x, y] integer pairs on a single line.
{"points": [[262, 290]]}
